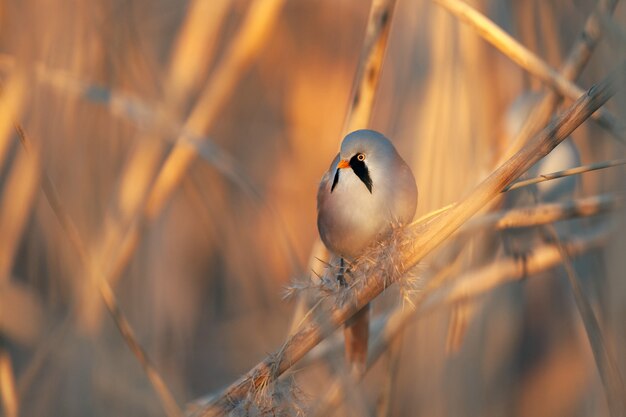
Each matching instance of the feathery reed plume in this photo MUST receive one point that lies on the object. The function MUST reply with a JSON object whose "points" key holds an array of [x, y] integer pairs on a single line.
{"points": [[463, 288]]}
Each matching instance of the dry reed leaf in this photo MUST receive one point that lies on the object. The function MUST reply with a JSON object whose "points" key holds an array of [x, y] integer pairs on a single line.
{"points": [[565, 173]]}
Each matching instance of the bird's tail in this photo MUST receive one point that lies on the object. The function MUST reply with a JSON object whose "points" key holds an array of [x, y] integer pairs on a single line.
{"points": [[356, 333]]}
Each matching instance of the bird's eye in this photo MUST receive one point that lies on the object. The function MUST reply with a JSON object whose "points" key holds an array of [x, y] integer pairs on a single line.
{"points": [[360, 157]]}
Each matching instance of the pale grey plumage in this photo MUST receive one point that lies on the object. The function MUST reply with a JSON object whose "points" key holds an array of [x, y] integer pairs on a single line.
{"points": [[351, 217], [367, 189]]}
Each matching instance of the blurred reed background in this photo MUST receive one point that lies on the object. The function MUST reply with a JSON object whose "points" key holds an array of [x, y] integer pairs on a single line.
{"points": [[198, 250]]}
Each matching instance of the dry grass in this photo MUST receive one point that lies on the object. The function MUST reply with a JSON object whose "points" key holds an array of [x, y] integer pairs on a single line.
{"points": [[168, 167]]}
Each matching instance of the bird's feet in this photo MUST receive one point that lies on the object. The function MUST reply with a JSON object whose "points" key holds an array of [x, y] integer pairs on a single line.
{"points": [[341, 275], [522, 257]]}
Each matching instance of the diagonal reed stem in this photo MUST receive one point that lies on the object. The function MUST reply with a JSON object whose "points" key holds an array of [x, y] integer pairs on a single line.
{"points": [[607, 367], [469, 285], [106, 292]]}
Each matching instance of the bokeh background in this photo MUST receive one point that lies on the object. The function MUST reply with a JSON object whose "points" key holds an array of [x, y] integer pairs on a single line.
{"points": [[102, 90]]}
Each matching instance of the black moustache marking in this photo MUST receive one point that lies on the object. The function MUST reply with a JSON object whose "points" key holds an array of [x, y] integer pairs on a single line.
{"points": [[361, 171], [335, 181]]}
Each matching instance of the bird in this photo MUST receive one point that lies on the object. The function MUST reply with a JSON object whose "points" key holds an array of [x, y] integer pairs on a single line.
{"points": [[519, 242], [366, 192], [543, 307]]}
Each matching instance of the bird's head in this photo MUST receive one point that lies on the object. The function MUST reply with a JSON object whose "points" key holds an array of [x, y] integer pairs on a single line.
{"points": [[366, 153]]}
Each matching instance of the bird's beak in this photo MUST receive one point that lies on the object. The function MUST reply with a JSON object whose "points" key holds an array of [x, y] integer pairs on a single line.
{"points": [[343, 164]]}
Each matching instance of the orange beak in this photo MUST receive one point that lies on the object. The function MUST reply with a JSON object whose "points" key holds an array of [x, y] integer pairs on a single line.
{"points": [[343, 164]]}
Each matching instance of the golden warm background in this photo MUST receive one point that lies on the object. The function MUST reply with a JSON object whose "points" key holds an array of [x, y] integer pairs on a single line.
{"points": [[198, 250]]}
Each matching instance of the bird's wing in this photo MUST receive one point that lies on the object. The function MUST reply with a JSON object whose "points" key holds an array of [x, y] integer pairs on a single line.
{"points": [[326, 179]]}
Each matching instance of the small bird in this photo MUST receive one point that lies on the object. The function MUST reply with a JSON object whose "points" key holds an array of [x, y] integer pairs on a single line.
{"points": [[367, 190], [519, 242]]}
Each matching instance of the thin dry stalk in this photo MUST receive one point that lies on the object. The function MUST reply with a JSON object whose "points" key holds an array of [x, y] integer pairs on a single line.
{"points": [[120, 242], [542, 214], [482, 280], [565, 173], [581, 52], [118, 245], [192, 52], [541, 113], [194, 49], [578, 57], [366, 85], [418, 246], [493, 34], [108, 296], [370, 65], [574, 64], [244, 48], [607, 366], [512, 269], [31, 372], [536, 149], [477, 282]]}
